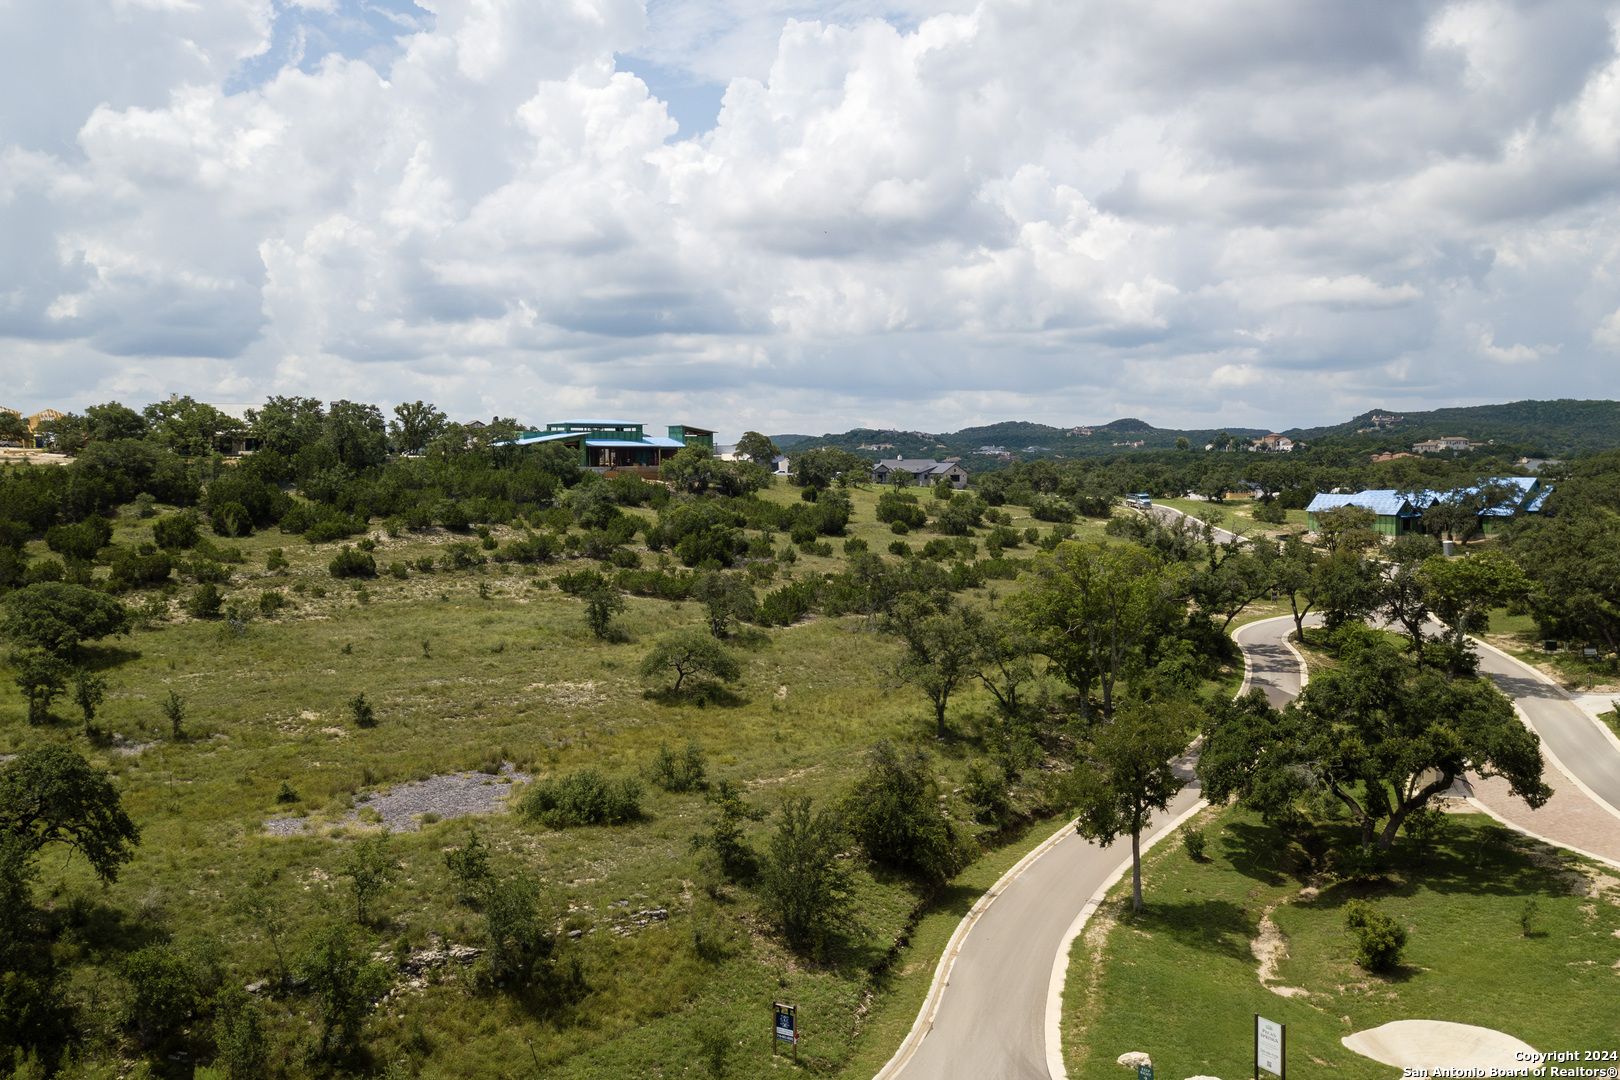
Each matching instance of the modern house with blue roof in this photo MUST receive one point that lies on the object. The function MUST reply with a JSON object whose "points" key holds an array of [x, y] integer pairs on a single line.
{"points": [[1396, 514], [1393, 514], [618, 445]]}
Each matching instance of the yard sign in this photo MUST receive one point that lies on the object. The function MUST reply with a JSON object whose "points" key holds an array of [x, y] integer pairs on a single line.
{"points": [[1270, 1047], [786, 1027]]}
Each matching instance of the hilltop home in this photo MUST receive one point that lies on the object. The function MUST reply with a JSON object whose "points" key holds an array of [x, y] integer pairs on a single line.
{"points": [[1280, 444], [618, 445], [1393, 514], [924, 471], [1434, 446]]}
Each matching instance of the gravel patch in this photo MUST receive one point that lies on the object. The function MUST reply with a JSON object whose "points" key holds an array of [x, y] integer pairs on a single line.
{"points": [[450, 795]]}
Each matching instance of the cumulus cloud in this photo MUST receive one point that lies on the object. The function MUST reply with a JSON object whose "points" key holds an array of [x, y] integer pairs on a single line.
{"points": [[1243, 211]]}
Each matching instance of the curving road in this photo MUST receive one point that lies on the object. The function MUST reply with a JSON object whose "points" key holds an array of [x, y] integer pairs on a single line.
{"points": [[986, 1018], [990, 1021]]}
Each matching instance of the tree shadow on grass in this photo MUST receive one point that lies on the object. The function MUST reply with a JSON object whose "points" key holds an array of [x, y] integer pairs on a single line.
{"points": [[1213, 926], [1255, 851], [700, 694], [105, 657]]}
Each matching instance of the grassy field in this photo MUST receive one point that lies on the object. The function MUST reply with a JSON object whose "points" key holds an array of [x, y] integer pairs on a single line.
{"points": [[1182, 980], [467, 670]]}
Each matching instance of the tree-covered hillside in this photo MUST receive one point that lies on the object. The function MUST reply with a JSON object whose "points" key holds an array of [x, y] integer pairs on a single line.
{"points": [[1564, 426]]}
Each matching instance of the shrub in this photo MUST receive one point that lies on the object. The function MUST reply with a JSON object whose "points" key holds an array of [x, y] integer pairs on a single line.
{"points": [[425, 564], [326, 530], [286, 793], [209, 572], [162, 992], [244, 1050], [893, 811], [853, 545], [176, 532], [901, 508], [275, 559], [986, 789], [231, 519], [804, 885], [1192, 842], [518, 936], [352, 563], [134, 570], [398, 569], [790, 603], [579, 582], [271, 601], [600, 607], [679, 772], [371, 867], [364, 715], [469, 866], [462, 555], [1379, 938], [344, 984], [1270, 513], [206, 602], [366, 544], [803, 534], [582, 798], [900, 548]]}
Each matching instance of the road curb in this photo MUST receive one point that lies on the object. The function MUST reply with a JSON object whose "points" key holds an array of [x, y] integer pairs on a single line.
{"points": [[1060, 963]]}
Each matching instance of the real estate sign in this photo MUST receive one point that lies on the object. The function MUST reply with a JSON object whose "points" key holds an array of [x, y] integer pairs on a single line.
{"points": [[786, 1028], [1270, 1044]]}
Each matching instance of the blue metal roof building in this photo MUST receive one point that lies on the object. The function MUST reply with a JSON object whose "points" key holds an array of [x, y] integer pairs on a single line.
{"points": [[1393, 513]]}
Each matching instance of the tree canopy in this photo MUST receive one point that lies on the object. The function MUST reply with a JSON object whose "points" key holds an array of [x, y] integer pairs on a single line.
{"points": [[1378, 734], [53, 795], [58, 617]]}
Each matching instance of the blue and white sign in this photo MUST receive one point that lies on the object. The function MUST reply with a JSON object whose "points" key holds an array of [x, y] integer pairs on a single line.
{"points": [[787, 1023]]}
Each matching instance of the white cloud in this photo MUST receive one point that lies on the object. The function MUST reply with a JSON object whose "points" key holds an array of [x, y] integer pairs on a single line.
{"points": [[1244, 212]]}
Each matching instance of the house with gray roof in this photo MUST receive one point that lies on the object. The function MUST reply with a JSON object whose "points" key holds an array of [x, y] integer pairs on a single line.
{"points": [[923, 471]]}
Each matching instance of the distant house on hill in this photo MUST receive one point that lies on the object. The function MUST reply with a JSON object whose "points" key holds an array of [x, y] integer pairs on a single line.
{"points": [[1449, 442], [923, 471], [1274, 443], [618, 445]]}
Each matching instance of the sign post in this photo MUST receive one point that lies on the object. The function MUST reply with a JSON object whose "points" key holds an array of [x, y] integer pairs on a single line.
{"points": [[1270, 1047], [786, 1027], [1144, 1072]]}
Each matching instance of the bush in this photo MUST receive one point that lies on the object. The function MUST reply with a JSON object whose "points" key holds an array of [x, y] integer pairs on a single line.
{"points": [[352, 563], [853, 545], [208, 572], [244, 1050], [901, 508], [469, 866], [364, 714], [518, 936], [286, 793], [162, 992], [398, 569], [344, 984], [679, 772], [1192, 842], [328, 529], [231, 519], [893, 811], [275, 559], [986, 788], [582, 798], [135, 570], [900, 548], [271, 601], [788, 604], [805, 887], [1379, 938], [206, 602], [1270, 513], [176, 532]]}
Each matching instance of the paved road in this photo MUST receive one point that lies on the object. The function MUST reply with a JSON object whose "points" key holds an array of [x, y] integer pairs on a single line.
{"points": [[991, 1020], [1566, 732]]}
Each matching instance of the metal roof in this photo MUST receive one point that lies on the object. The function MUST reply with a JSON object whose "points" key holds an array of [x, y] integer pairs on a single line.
{"points": [[916, 466], [1385, 502], [651, 440], [551, 437], [601, 423]]}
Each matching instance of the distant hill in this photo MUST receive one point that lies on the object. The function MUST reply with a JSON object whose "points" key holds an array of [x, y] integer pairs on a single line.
{"points": [[1560, 427], [1552, 427]]}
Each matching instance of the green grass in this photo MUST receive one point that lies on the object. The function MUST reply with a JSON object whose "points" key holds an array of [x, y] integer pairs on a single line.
{"points": [[509, 673], [1180, 982]]}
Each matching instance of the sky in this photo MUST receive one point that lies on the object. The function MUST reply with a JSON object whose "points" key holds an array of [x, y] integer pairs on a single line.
{"points": [[796, 216]]}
